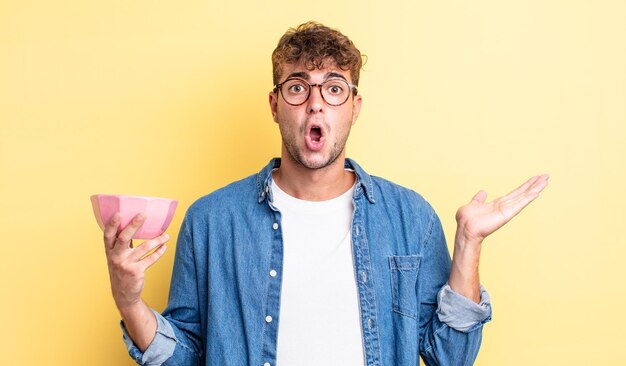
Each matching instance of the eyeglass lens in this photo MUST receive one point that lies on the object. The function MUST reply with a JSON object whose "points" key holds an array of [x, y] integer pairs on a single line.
{"points": [[297, 91]]}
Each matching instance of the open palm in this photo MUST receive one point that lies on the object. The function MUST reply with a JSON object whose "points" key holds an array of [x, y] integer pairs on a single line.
{"points": [[478, 219]]}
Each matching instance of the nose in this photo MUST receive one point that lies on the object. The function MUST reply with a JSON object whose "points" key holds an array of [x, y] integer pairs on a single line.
{"points": [[315, 103]]}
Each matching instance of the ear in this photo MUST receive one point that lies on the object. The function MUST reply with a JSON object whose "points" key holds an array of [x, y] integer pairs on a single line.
{"points": [[356, 107], [273, 99]]}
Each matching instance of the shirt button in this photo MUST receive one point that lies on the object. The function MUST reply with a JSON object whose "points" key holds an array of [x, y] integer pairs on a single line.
{"points": [[273, 273], [268, 319], [275, 226], [267, 364]]}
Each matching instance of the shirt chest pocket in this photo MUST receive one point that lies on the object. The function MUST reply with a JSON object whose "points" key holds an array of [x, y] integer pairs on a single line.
{"points": [[403, 284]]}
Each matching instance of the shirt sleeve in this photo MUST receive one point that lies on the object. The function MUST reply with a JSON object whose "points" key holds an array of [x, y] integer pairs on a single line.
{"points": [[461, 313], [161, 348], [450, 324]]}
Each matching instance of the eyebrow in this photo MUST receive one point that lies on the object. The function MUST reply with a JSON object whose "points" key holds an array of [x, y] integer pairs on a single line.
{"points": [[307, 77]]}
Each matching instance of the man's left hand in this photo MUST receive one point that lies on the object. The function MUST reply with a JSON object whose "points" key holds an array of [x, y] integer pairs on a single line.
{"points": [[478, 219]]}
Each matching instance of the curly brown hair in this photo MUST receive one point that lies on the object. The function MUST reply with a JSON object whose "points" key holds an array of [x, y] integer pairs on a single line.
{"points": [[314, 44]]}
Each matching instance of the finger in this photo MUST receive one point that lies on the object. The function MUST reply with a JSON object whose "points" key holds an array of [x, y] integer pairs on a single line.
{"points": [[533, 192], [540, 184], [149, 260], [148, 246], [521, 189], [110, 231], [522, 202], [480, 197], [124, 238]]}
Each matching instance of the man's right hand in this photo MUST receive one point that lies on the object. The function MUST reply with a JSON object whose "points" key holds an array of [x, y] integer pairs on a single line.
{"points": [[127, 267]]}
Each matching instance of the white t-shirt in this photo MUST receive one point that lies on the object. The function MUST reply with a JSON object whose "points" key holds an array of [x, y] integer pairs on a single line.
{"points": [[319, 312]]}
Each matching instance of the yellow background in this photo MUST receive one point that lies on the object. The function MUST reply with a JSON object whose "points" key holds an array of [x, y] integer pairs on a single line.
{"points": [[170, 99]]}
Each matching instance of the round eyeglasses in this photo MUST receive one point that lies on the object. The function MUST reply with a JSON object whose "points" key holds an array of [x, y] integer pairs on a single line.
{"points": [[296, 91]]}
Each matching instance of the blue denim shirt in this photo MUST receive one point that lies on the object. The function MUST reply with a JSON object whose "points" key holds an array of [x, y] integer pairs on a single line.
{"points": [[222, 292]]}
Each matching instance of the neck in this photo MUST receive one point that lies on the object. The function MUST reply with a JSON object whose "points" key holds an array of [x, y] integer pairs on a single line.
{"points": [[313, 184]]}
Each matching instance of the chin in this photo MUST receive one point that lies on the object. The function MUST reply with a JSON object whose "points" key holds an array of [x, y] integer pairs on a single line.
{"points": [[312, 160], [319, 162]]}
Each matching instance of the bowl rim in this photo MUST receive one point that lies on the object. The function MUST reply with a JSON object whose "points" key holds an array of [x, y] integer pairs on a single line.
{"points": [[132, 196]]}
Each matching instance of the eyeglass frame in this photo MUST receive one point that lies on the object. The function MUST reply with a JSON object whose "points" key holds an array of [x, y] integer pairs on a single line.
{"points": [[353, 89]]}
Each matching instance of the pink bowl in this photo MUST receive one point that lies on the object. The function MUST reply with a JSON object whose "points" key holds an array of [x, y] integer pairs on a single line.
{"points": [[158, 212]]}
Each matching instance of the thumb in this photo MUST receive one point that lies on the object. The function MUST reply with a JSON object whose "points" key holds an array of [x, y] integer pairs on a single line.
{"points": [[480, 197]]}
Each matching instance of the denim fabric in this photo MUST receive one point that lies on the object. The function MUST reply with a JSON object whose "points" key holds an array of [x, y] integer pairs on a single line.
{"points": [[160, 349], [222, 291]]}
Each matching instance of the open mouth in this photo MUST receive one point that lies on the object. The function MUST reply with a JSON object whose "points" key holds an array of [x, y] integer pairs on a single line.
{"points": [[315, 138], [316, 134]]}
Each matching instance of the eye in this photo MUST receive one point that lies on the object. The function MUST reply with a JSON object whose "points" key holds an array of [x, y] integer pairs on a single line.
{"points": [[335, 87], [296, 87]]}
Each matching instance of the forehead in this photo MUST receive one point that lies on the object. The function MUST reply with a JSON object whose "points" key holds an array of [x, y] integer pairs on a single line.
{"points": [[300, 69]]}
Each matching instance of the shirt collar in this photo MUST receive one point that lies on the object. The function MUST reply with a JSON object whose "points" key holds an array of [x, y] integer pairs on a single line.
{"points": [[363, 180]]}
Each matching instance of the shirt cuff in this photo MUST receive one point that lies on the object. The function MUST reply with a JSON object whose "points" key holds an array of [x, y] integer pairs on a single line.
{"points": [[160, 349], [461, 313]]}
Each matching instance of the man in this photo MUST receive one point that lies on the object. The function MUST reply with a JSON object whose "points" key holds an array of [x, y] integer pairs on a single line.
{"points": [[312, 260]]}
